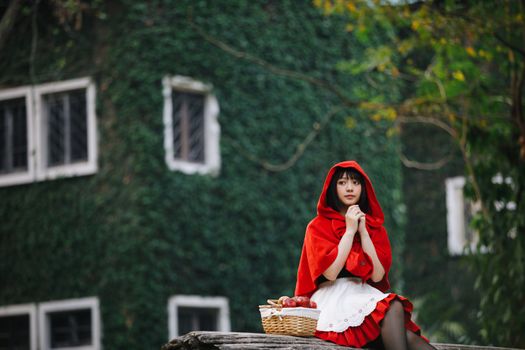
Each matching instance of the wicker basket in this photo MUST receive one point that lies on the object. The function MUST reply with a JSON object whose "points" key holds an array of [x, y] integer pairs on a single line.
{"points": [[296, 321]]}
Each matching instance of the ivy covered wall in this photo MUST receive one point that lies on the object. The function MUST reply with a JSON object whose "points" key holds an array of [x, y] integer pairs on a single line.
{"points": [[135, 233]]}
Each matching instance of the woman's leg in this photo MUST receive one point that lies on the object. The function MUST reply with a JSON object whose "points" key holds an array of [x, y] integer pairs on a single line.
{"points": [[415, 342], [393, 332]]}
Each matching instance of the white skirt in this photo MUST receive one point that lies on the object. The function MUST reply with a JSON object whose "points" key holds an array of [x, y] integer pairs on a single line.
{"points": [[345, 303]]}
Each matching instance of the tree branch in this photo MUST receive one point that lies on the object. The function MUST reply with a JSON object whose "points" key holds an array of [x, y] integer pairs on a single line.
{"points": [[300, 149], [423, 166], [409, 163], [436, 165], [272, 68], [517, 93], [34, 42], [509, 45], [427, 120]]}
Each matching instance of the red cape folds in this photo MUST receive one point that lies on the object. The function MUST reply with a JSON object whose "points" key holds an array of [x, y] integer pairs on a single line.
{"points": [[324, 232]]}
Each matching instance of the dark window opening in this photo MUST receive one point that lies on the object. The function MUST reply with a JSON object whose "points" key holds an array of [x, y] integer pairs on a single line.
{"points": [[188, 126], [70, 328], [13, 136], [15, 332], [197, 319]]}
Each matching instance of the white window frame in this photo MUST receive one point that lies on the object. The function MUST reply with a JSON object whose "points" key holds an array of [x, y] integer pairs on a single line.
{"points": [[36, 129], [456, 208], [456, 235], [68, 170], [197, 301], [68, 305], [28, 175], [212, 158], [24, 309]]}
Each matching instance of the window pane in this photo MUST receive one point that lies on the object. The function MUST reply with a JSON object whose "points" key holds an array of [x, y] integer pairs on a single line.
{"points": [[67, 127], [185, 321], [13, 135], [197, 319], [14, 332], [208, 320], [20, 136], [196, 128], [188, 126], [70, 328], [178, 101], [78, 110], [54, 107]]}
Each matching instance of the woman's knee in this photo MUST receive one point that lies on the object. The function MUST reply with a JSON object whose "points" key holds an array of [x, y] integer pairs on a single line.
{"points": [[411, 338], [415, 342], [396, 308]]}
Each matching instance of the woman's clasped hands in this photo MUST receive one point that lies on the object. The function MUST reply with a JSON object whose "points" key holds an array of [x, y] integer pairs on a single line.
{"points": [[355, 220]]}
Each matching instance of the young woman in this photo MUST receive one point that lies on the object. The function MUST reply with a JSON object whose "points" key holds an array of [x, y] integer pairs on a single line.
{"points": [[344, 268]]}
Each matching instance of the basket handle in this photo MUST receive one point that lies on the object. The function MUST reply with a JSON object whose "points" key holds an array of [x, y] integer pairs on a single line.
{"points": [[273, 302]]}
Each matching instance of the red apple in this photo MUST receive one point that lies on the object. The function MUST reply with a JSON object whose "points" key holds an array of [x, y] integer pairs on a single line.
{"points": [[289, 302], [302, 301], [313, 304], [280, 301]]}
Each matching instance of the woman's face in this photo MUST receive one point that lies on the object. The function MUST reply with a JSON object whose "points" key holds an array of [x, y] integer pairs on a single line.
{"points": [[348, 190]]}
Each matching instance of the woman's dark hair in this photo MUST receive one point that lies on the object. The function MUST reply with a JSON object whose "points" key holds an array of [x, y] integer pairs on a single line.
{"points": [[331, 196]]}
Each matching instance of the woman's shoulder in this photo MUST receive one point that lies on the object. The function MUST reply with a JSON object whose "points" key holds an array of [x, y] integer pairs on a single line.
{"points": [[318, 220], [317, 223]]}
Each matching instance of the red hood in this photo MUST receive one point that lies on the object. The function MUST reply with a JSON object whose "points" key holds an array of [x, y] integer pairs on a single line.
{"points": [[374, 217]]}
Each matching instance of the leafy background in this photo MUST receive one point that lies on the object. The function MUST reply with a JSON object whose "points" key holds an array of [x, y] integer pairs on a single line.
{"points": [[135, 233]]}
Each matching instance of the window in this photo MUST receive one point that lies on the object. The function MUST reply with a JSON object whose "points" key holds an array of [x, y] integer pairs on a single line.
{"points": [[191, 129], [66, 135], [459, 212], [66, 144], [16, 128], [461, 237], [56, 138], [70, 328], [188, 313], [18, 327], [66, 325], [70, 324]]}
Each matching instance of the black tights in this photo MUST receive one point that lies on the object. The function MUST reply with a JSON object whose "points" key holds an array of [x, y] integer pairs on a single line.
{"points": [[394, 336]]}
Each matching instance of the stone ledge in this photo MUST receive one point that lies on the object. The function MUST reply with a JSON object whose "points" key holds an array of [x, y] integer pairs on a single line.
{"points": [[235, 341]]}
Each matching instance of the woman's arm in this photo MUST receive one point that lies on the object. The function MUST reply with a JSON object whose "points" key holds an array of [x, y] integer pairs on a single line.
{"points": [[368, 247], [345, 244], [343, 249]]}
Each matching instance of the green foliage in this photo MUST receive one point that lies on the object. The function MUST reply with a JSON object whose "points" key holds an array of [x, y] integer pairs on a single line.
{"points": [[463, 66], [501, 235], [135, 233]]}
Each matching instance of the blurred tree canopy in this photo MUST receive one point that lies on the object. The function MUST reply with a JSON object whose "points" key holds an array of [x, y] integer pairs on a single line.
{"points": [[462, 68]]}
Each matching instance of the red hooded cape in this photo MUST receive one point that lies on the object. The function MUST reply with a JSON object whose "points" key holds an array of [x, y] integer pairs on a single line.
{"points": [[324, 232]]}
